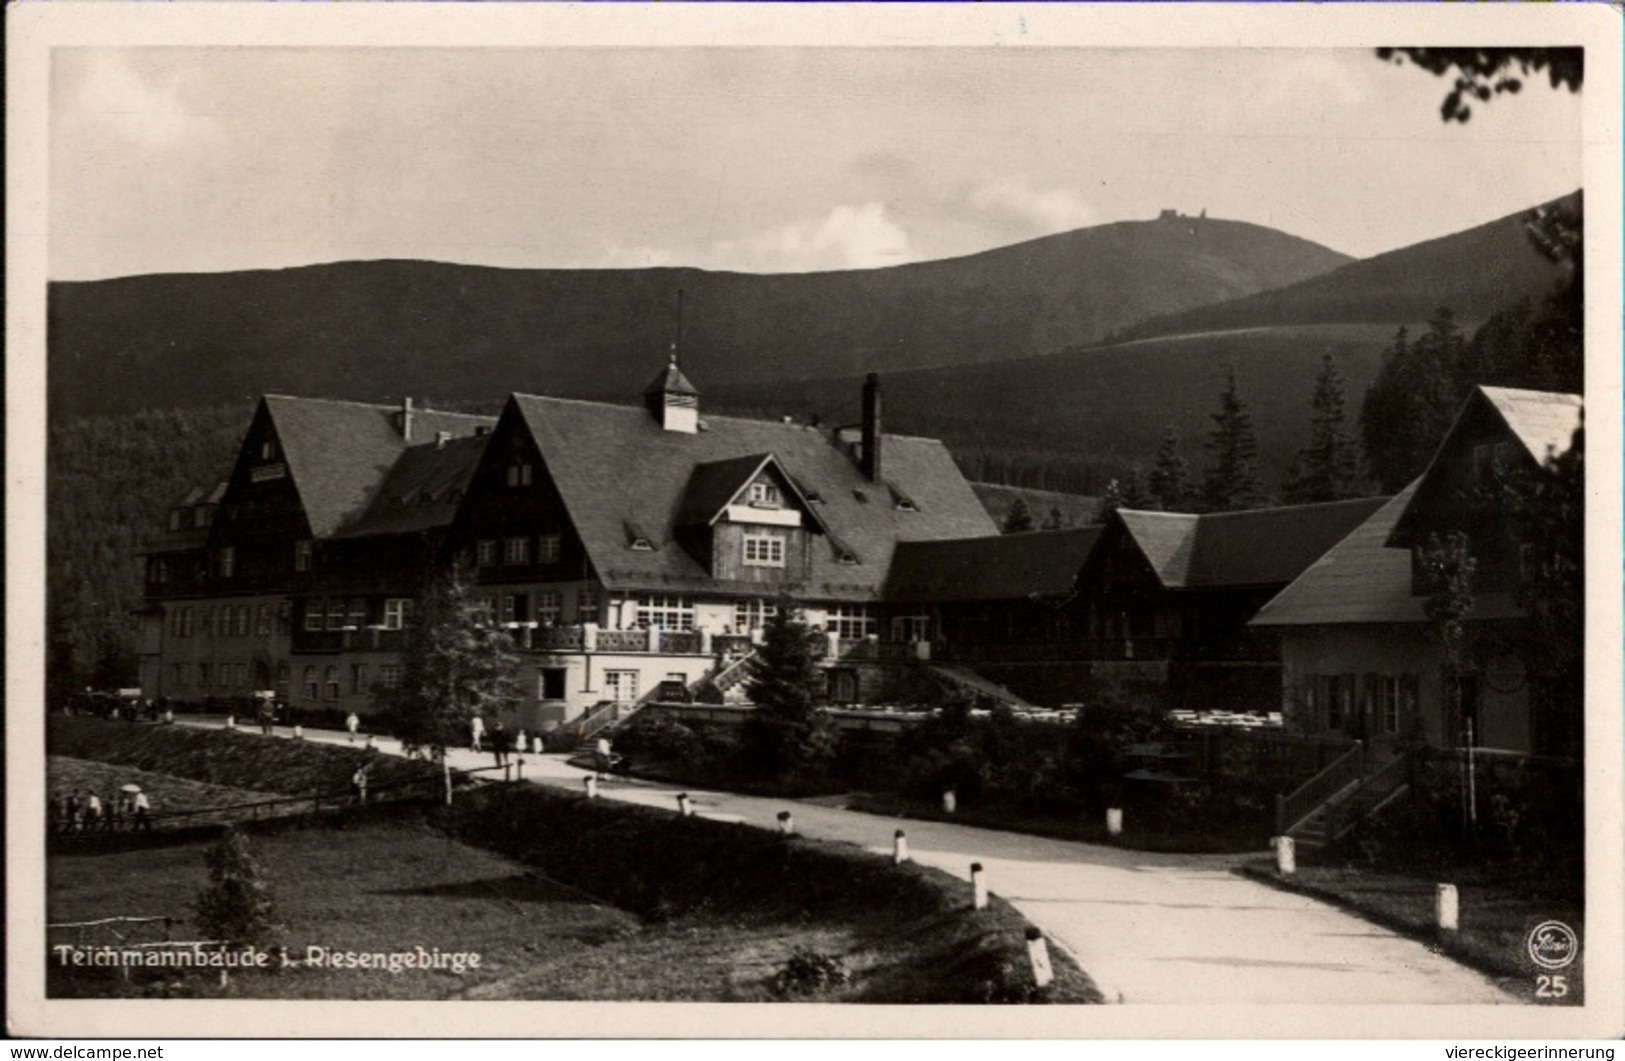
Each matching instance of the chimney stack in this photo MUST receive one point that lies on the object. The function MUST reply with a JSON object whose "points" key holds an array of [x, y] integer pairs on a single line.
{"points": [[871, 428], [406, 419]]}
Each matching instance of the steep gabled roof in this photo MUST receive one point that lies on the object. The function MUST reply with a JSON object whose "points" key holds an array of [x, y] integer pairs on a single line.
{"points": [[339, 453], [1030, 565], [421, 491], [1542, 420], [1363, 580], [1255, 547], [715, 484], [615, 467]]}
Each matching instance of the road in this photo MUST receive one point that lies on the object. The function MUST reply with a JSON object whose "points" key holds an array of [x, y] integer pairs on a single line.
{"points": [[1149, 928]]}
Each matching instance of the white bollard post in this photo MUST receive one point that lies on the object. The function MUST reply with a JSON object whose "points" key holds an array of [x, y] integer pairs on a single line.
{"points": [[950, 801], [899, 848], [372, 743], [1114, 821], [1448, 905], [787, 823], [978, 887], [684, 809], [298, 731], [1286, 856], [1038, 954], [231, 721], [591, 781]]}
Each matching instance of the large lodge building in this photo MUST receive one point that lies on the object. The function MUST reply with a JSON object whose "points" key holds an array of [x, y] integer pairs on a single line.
{"points": [[636, 553]]}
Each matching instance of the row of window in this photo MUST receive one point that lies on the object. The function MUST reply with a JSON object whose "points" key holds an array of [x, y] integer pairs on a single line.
{"points": [[328, 688], [228, 620], [489, 552], [1355, 704], [763, 549], [356, 613]]}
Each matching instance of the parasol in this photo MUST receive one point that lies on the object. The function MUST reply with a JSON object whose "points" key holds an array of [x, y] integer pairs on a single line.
{"points": [[131, 789]]}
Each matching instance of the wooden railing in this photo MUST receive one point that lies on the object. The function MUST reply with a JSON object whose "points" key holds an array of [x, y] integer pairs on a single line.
{"points": [[623, 640], [1360, 803], [1297, 805], [588, 725]]}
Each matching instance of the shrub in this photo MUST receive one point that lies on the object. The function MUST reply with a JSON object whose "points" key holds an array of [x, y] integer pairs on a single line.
{"points": [[236, 905], [809, 972]]}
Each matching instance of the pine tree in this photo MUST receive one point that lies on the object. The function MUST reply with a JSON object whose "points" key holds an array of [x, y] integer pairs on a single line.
{"points": [[1410, 405], [1056, 520], [457, 664], [1328, 469], [1230, 481], [1110, 501], [1170, 479], [1019, 518], [785, 734], [1448, 568], [236, 905]]}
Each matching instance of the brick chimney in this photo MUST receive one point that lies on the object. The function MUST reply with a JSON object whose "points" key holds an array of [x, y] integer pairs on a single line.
{"points": [[406, 419], [869, 458]]}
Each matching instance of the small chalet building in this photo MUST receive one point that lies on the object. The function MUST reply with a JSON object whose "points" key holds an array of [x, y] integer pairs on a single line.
{"points": [[1361, 659], [1164, 597], [633, 551]]}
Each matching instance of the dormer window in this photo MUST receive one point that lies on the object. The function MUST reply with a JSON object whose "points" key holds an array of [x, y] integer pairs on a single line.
{"points": [[764, 495], [174, 519], [304, 552], [763, 550], [268, 450], [516, 551], [519, 473], [225, 562]]}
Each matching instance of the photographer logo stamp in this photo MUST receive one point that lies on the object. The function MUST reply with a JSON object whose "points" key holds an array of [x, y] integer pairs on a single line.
{"points": [[1553, 945]]}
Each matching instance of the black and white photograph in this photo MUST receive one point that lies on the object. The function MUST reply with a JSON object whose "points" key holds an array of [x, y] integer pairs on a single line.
{"points": [[995, 520]]}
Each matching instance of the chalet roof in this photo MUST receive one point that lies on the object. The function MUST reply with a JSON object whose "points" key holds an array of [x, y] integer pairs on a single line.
{"points": [[1033, 564], [615, 467], [339, 453], [716, 483], [422, 490], [1543, 421], [1255, 547], [1362, 580]]}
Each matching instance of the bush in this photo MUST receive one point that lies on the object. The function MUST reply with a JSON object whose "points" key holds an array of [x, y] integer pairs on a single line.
{"points": [[809, 972], [236, 905]]}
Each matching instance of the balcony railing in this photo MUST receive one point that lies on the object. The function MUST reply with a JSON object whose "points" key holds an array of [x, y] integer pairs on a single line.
{"points": [[623, 640]]}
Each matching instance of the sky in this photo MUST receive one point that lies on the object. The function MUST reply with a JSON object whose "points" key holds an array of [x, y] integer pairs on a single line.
{"points": [[167, 159]]}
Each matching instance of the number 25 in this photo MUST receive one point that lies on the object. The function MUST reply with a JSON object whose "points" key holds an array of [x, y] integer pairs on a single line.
{"points": [[1551, 986]]}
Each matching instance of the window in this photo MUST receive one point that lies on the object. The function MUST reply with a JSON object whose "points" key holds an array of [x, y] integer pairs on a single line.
{"points": [[186, 622], [911, 628], [397, 613], [335, 613], [174, 519], [314, 616], [358, 677], [549, 605], [519, 474], [304, 553], [753, 615], [668, 613], [389, 676], [356, 617], [226, 562], [516, 608], [851, 621], [1394, 700], [157, 571], [764, 550], [268, 451], [205, 674], [1337, 699], [239, 624], [485, 552], [587, 605], [621, 686], [330, 678], [550, 686], [284, 614], [240, 673], [177, 671], [311, 690], [547, 549], [262, 620], [516, 550], [764, 495], [843, 685]]}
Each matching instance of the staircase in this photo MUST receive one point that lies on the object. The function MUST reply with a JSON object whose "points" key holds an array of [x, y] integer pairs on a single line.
{"points": [[1327, 806], [729, 675]]}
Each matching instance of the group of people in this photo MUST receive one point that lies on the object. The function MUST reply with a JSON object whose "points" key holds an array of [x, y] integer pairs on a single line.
{"points": [[82, 811]]}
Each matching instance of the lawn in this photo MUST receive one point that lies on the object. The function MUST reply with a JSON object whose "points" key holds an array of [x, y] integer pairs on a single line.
{"points": [[1498, 909], [167, 794]]}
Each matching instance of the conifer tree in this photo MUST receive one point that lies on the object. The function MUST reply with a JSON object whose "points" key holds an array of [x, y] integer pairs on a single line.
{"points": [[1019, 518], [1110, 501], [1410, 405], [1230, 481], [236, 905], [1328, 469], [1170, 479], [785, 734], [458, 663]]}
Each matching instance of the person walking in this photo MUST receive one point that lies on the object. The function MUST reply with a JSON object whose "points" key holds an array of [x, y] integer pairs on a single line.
{"points": [[143, 812], [352, 722], [93, 812], [602, 756], [73, 813], [476, 733], [499, 743]]}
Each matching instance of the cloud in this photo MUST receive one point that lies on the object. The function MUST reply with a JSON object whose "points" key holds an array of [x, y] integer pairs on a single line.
{"points": [[1043, 210], [107, 92], [850, 236]]}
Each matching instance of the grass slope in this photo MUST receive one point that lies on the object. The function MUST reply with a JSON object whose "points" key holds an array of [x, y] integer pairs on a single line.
{"points": [[377, 329]]}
